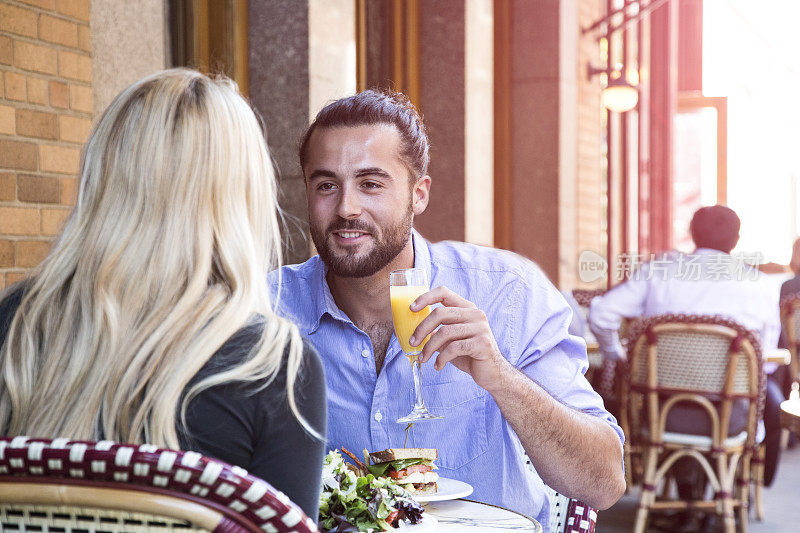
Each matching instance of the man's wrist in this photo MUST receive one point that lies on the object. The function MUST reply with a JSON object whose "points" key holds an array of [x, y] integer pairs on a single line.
{"points": [[505, 373]]}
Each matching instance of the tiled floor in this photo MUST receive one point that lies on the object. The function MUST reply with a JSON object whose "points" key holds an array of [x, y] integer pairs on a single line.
{"points": [[781, 503]]}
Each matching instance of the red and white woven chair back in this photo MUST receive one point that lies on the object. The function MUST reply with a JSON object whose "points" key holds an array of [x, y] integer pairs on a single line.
{"points": [[244, 502], [568, 515], [580, 518]]}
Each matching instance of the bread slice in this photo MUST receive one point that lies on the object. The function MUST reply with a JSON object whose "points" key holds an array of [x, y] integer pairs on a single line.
{"points": [[396, 454]]}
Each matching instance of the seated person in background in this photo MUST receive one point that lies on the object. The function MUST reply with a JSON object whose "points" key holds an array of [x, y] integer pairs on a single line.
{"points": [[149, 320], [792, 286], [705, 282], [789, 288], [507, 377]]}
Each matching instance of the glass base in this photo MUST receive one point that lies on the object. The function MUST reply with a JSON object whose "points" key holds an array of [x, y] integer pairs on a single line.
{"points": [[419, 415]]}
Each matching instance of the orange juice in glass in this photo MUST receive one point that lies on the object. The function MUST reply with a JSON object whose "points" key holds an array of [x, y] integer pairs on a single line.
{"points": [[406, 320], [405, 286]]}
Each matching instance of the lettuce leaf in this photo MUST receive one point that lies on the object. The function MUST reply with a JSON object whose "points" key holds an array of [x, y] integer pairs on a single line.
{"points": [[380, 469], [350, 503]]}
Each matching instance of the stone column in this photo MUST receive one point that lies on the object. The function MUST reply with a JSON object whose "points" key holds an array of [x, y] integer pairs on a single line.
{"points": [[432, 63], [663, 104], [120, 56], [302, 55], [442, 102], [541, 194], [279, 89]]}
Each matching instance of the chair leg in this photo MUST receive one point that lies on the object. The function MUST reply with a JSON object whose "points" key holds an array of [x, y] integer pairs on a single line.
{"points": [[725, 497], [641, 518], [759, 475], [743, 518], [648, 490]]}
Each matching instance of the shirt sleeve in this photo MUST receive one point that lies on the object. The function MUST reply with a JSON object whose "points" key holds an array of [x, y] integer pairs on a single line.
{"points": [[772, 321], [607, 311], [548, 354]]}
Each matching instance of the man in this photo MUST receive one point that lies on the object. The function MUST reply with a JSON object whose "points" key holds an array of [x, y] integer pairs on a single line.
{"points": [[501, 367], [792, 286], [707, 282]]}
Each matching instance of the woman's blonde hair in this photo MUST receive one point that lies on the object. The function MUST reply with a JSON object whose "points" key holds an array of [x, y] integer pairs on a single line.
{"points": [[163, 259]]}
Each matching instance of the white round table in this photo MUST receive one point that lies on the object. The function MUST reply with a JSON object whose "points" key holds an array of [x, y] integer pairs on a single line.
{"points": [[476, 517]]}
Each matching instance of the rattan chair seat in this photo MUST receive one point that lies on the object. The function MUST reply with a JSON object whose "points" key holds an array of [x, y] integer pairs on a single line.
{"points": [[703, 441], [70, 519]]}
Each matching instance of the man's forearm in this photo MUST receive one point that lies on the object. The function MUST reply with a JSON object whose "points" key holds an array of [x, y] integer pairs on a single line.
{"points": [[576, 454]]}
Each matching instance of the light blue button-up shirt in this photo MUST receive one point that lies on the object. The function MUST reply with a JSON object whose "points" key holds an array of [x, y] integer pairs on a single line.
{"points": [[529, 319]]}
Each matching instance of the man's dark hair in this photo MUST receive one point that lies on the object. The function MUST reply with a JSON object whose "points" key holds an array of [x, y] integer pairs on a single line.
{"points": [[715, 227], [378, 107]]}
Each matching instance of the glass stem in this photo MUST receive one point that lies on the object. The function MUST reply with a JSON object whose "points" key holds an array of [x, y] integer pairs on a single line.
{"points": [[419, 403]]}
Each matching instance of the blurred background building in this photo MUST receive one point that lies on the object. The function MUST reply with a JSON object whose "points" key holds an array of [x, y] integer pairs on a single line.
{"points": [[526, 152]]}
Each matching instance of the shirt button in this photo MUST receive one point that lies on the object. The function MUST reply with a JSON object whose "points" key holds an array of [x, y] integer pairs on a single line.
{"points": [[365, 352], [378, 416]]}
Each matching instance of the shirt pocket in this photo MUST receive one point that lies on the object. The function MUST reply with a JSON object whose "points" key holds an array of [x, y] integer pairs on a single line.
{"points": [[460, 437]]}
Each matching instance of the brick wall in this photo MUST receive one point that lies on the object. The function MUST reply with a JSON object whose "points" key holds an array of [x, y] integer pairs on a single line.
{"points": [[45, 116], [591, 187]]}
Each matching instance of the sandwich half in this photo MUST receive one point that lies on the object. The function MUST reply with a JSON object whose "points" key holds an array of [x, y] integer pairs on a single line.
{"points": [[413, 468]]}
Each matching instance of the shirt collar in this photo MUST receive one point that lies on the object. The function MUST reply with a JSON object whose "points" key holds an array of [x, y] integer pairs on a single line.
{"points": [[708, 251], [322, 301], [422, 253]]}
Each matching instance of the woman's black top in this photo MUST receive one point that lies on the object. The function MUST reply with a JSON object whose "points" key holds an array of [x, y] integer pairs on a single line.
{"points": [[249, 425]]}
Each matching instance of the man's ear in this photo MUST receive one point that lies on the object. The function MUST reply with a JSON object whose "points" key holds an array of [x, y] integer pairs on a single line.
{"points": [[420, 194]]}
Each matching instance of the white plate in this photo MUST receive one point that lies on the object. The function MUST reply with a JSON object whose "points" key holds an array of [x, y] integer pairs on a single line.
{"points": [[428, 523], [448, 489]]}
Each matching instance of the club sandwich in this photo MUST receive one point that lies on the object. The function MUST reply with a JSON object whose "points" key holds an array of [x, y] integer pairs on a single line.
{"points": [[413, 468]]}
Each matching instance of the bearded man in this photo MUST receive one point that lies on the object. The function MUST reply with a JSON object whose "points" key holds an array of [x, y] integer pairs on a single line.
{"points": [[514, 382]]}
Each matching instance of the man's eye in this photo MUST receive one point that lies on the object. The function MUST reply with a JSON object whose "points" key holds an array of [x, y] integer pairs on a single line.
{"points": [[326, 187], [371, 185]]}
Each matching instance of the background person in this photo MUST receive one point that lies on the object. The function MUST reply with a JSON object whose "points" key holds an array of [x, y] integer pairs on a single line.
{"points": [[149, 320], [792, 285]]}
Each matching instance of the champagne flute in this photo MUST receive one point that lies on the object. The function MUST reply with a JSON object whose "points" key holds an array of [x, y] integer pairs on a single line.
{"points": [[405, 286]]}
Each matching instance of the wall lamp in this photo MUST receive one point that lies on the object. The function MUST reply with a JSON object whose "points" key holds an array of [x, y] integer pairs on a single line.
{"points": [[618, 95]]}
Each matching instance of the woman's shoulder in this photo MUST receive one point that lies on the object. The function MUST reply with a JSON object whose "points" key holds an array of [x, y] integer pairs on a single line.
{"points": [[237, 348]]}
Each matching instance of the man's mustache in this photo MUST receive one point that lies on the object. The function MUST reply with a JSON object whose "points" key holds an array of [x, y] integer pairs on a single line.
{"points": [[350, 225]]}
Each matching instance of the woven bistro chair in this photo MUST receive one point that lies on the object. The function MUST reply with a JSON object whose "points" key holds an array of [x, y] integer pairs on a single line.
{"points": [[709, 362], [567, 515], [583, 297], [63, 485], [790, 323], [604, 378]]}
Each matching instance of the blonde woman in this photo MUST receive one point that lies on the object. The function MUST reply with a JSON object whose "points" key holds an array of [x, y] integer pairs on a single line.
{"points": [[150, 319]]}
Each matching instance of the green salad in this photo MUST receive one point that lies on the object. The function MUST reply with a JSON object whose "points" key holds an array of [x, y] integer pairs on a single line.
{"points": [[352, 503]]}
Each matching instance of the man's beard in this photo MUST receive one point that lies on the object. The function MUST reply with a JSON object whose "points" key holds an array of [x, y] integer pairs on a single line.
{"points": [[393, 241]]}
